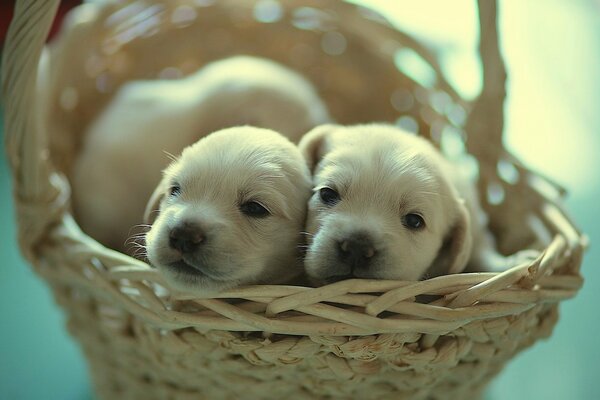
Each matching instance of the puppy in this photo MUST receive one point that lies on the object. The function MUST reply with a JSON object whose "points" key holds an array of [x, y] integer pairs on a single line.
{"points": [[124, 149], [387, 205], [231, 212]]}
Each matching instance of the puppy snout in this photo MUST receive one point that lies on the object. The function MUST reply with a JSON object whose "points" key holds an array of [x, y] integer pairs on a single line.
{"points": [[356, 251], [186, 237]]}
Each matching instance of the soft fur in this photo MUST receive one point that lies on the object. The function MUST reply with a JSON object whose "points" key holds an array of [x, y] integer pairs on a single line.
{"points": [[216, 176], [127, 147], [383, 174]]}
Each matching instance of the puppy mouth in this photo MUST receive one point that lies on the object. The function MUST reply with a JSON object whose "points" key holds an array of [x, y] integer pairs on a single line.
{"points": [[182, 267]]}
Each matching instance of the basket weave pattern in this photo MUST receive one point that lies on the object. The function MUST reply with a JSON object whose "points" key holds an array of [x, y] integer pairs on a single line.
{"points": [[353, 339]]}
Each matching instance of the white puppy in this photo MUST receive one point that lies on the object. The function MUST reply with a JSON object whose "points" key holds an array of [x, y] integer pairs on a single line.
{"points": [[232, 209], [124, 150], [387, 205]]}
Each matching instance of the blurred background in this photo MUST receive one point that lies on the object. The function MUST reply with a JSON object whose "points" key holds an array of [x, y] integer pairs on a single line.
{"points": [[552, 51]]}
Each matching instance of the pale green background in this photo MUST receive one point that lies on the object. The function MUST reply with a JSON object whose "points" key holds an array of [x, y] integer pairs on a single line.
{"points": [[553, 53]]}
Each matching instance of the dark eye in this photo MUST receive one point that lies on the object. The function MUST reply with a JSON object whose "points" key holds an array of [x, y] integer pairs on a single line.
{"points": [[414, 221], [329, 196], [254, 209], [175, 190]]}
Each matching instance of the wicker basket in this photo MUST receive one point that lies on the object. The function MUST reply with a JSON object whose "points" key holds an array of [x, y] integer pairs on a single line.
{"points": [[352, 339]]}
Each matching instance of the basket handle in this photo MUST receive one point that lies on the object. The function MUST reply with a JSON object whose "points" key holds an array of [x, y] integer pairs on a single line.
{"points": [[25, 138], [485, 123]]}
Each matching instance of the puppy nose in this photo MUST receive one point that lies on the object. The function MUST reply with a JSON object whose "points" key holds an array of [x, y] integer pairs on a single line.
{"points": [[186, 237], [356, 251]]}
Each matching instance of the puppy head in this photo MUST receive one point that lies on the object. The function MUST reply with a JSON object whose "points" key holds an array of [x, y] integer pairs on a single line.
{"points": [[230, 211], [383, 206]]}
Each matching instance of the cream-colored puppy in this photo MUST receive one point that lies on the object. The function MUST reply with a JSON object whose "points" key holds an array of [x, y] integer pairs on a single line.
{"points": [[387, 205], [124, 149], [231, 212]]}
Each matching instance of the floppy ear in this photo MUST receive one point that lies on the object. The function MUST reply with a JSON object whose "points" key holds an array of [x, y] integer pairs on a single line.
{"points": [[314, 145], [456, 250], [154, 203]]}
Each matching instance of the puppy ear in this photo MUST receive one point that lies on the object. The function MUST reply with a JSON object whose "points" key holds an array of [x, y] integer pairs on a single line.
{"points": [[314, 145], [456, 250], [154, 203]]}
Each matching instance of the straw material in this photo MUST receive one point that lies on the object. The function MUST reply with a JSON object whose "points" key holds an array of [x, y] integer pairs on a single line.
{"points": [[353, 339]]}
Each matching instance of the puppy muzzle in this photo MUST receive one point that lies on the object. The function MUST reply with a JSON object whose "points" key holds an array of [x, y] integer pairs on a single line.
{"points": [[353, 257], [356, 251], [186, 238]]}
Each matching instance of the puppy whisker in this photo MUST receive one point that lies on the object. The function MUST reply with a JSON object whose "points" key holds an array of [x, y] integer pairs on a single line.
{"points": [[137, 235], [170, 156], [135, 239], [137, 248], [142, 226]]}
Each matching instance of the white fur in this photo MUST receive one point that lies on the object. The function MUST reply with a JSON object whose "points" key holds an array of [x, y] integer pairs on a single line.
{"points": [[382, 174], [125, 149], [217, 175]]}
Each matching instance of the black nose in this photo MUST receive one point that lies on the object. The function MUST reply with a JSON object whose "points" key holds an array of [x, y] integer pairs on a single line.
{"points": [[356, 251], [186, 237]]}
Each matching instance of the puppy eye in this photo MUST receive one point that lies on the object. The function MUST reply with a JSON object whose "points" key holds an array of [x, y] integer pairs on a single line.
{"points": [[254, 209], [414, 221], [175, 190], [329, 196]]}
